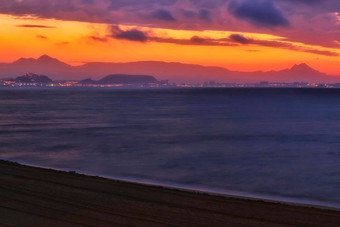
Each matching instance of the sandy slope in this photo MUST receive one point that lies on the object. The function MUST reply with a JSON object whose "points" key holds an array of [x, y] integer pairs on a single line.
{"points": [[40, 197]]}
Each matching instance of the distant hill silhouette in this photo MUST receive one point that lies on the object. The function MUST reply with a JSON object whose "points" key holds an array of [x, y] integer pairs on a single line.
{"points": [[33, 78], [127, 79], [300, 72], [123, 79], [176, 72]]}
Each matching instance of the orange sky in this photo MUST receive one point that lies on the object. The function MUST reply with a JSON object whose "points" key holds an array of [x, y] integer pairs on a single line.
{"points": [[77, 42]]}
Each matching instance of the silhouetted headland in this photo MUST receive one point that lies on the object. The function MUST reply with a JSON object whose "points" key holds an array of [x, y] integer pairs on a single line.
{"points": [[33, 78]]}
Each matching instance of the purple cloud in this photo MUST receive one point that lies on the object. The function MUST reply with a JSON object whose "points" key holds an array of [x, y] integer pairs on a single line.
{"points": [[240, 39], [208, 4], [87, 1], [138, 4], [262, 13], [131, 35], [188, 13], [197, 39], [162, 14], [205, 15]]}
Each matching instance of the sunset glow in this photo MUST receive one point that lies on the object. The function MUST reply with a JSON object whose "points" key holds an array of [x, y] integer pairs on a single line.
{"points": [[172, 36]]}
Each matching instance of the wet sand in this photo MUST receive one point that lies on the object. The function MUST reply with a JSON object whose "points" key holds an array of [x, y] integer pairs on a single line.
{"points": [[31, 196]]}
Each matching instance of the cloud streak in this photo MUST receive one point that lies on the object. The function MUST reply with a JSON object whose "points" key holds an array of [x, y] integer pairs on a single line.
{"points": [[237, 38], [33, 26], [41, 37], [136, 35], [98, 38]]}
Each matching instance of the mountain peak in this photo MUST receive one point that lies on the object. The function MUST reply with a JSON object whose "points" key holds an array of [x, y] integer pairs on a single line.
{"points": [[303, 67], [46, 58], [24, 60]]}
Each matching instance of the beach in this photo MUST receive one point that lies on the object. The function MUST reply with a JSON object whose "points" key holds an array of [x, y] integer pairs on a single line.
{"points": [[32, 196]]}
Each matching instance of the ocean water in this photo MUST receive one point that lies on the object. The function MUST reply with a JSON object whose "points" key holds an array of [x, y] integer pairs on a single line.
{"points": [[275, 142]]}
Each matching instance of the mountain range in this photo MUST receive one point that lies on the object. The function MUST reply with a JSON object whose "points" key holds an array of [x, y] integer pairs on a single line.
{"points": [[174, 72]]}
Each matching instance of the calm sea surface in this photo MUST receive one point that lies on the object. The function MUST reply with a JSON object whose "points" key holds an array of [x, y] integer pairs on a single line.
{"points": [[277, 142]]}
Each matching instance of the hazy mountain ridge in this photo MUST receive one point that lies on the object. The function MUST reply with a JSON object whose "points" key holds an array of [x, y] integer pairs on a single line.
{"points": [[177, 72]]}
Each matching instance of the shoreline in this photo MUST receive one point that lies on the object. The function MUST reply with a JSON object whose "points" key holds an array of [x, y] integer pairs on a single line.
{"points": [[285, 200], [39, 196], [229, 193]]}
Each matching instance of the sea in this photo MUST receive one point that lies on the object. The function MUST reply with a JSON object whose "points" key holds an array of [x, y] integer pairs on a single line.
{"points": [[272, 143]]}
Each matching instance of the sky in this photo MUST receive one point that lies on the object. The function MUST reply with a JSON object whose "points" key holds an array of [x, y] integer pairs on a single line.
{"points": [[242, 35]]}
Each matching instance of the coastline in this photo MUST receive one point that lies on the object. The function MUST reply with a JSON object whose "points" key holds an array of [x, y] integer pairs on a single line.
{"points": [[231, 194], [281, 199], [39, 196]]}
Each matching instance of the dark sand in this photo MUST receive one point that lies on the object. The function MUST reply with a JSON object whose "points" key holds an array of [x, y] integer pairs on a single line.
{"points": [[32, 196]]}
